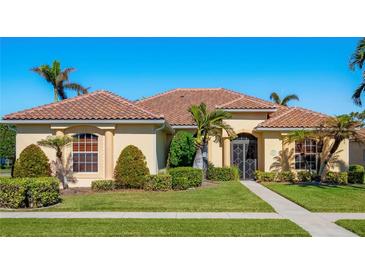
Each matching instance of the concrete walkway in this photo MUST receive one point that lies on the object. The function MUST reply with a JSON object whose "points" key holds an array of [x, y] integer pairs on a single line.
{"points": [[142, 215], [316, 224]]}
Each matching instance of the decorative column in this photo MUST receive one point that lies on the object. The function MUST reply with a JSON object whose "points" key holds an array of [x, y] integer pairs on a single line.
{"points": [[109, 154], [226, 152]]}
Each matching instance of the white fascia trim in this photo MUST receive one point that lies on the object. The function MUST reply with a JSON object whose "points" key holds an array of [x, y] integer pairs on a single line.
{"points": [[184, 127], [283, 129], [130, 121], [248, 110]]}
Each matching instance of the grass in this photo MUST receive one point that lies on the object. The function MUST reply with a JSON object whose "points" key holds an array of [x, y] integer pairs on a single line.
{"points": [[148, 227], [224, 197], [356, 226], [324, 198]]}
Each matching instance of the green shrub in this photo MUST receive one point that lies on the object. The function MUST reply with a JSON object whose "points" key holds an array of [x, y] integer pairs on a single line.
{"points": [[131, 168], [180, 183], [13, 192], [356, 174], [223, 174], [32, 162], [336, 178], [193, 175], [160, 182], [304, 176], [29, 192], [43, 191], [262, 176], [182, 150], [285, 176], [102, 185]]}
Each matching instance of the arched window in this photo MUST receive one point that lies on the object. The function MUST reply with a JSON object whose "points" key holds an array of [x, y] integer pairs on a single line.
{"points": [[85, 152]]}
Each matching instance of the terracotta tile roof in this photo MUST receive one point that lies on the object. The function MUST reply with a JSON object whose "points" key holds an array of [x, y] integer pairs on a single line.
{"points": [[294, 117], [175, 103], [98, 105]]}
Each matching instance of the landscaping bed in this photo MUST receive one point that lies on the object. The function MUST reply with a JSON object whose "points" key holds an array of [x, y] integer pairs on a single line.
{"points": [[149, 228], [219, 197], [322, 197], [356, 226]]}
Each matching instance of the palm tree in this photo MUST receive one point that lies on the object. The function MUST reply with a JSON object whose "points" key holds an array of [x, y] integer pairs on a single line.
{"points": [[58, 143], [337, 128], [59, 80], [357, 60], [284, 102], [209, 124]]}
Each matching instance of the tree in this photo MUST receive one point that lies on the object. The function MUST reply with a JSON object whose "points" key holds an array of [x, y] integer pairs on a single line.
{"points": [[209, 124], [58, 78], [182, 150], [7, 142], [284, 102], [32, 162], [357, 61], [338, 129], [58, 143]]}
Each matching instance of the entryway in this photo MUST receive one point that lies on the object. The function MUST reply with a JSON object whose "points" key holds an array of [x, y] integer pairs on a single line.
{"points": [[244, 155]]}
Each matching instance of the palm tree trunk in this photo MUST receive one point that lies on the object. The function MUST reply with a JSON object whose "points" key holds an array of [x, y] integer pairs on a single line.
{"points": [[326, 160], [198, 160], [55, 94]]}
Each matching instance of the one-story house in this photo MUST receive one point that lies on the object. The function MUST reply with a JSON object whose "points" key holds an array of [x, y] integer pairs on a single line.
{"points": [[103, 123]]}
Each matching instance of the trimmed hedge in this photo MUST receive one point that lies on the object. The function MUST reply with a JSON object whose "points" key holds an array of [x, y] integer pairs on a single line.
{"points": [[223, 173], [102, 185], [29, 192], [194, 177], [32, 162], [285, 176], [336, 178], [262, 176], [182, 149], [13, 192], [304, 176], [131, 168], [356, 174], [160, 182]]}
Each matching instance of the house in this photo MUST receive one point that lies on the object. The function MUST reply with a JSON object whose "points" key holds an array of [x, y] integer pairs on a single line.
{"points": [[103, 123]]}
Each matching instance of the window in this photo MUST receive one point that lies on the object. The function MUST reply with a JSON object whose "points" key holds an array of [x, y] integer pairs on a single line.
{"points": [[306, 153], [85, 153]]}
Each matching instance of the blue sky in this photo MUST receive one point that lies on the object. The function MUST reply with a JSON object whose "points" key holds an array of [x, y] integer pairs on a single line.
{"points": [[316, 69]]}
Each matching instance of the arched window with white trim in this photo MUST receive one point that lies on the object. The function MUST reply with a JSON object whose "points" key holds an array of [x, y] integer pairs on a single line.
{"points": [[85, 152]]}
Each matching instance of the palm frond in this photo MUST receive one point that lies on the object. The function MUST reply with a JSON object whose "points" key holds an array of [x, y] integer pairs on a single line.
{"points": [[356, 97], [289, 98], [358, 57], [77, 87], [44, 71], [61, 92], [275, 98]]}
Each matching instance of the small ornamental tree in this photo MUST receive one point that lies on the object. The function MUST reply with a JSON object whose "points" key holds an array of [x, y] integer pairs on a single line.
{"points": [[182, 150], [131, 168], [32, 162]]}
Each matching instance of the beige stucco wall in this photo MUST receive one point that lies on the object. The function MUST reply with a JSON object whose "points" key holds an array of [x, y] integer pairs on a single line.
{"points": [[272, 146], [31, 134], [141, 136], [356, 153]]}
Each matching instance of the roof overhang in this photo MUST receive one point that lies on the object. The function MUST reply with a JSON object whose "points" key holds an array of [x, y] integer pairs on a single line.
{"points": [[184, 127], [284, 129], [248, 110], [124, 121]]}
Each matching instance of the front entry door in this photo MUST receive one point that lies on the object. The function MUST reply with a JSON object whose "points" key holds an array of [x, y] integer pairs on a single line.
{"points": [[244, 156]]}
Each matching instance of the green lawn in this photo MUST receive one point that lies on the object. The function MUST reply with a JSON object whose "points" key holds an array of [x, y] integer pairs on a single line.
{"points": [[322, 198], [223, 197], [148, 227], [356, 226]]}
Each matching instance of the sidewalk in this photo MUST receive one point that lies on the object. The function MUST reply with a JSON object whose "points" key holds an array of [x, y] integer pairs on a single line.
{"points": [[316, 224]]}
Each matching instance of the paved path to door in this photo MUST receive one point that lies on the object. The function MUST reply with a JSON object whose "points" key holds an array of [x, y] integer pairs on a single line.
{"points": [[315, 223]]}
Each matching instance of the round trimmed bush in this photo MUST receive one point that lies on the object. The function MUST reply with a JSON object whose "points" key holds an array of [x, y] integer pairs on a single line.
{"points": [[32, 162], [182, 149], [131, 168], [356, 174]]}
